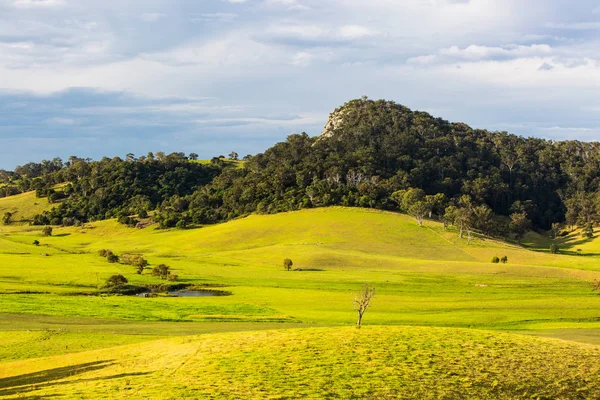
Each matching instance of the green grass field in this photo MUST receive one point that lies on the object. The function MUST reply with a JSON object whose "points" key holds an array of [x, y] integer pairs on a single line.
{"points": [[23, 206], [435, 295]]}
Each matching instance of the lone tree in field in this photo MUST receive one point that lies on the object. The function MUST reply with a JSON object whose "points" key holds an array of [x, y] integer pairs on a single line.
{"points": [[162, 271], [362, 302], [288, 264], [47, 231], [116, 281], [6, 219]]}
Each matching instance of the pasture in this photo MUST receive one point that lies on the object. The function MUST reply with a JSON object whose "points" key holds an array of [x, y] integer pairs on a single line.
{"points": [[435, 295]]}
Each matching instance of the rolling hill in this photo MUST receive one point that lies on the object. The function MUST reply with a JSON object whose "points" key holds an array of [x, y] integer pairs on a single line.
{"points": [[374, 362]]}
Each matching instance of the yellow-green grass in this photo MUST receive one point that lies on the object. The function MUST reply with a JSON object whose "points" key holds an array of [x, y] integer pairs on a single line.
{"points": [[374, 363], [423, 276], [24, 207]]}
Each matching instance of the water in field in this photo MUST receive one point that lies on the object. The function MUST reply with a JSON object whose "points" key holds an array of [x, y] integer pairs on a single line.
{"points": [[188, 293], [194, 293]]}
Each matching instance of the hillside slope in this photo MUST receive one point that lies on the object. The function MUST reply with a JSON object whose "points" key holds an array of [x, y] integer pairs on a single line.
{"points": [[24, 206], [423, 275], [375, 363]]}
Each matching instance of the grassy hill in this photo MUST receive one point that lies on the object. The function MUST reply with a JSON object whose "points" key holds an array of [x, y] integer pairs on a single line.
{"points": [[375, 363], [24, 206], [424, 276], [431, 286]]}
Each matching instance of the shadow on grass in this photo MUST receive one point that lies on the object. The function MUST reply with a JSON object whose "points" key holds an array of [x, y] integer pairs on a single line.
{"points": [[37, 380], [309, 270]]}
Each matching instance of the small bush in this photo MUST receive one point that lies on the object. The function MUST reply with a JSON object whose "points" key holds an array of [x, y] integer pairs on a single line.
{"points": [[36, 242], [112, 258], [104, 253], [116, 281], [162, 271], [504, 260], [172, 277], [554, 249], [495, 260], [134, 259]]}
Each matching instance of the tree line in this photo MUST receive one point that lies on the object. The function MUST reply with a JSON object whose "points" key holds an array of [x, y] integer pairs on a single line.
{"points": [[372, 154]]}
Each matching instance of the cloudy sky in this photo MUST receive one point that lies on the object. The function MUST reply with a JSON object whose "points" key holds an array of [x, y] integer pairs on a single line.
{"points": [[107, 77]]}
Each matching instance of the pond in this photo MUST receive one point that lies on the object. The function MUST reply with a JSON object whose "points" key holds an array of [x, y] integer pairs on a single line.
{"points": [[188, 293]]}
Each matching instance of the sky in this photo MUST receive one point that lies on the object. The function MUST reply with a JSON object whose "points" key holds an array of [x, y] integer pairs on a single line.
{"points": [[97, 78]]}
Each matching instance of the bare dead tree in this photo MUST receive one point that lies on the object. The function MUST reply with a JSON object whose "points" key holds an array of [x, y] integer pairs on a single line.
{"points": [[362, 302]]}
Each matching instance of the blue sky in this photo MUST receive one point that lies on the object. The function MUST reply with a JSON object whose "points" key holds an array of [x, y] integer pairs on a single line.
{"points": [[94, 78]]}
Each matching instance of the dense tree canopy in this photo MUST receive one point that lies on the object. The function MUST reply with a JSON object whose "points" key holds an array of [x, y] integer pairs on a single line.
{"points": [[372, 154]]}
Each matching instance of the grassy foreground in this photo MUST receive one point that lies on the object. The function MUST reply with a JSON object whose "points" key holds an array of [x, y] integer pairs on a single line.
{"points": [[375, 363], [62, 340]]}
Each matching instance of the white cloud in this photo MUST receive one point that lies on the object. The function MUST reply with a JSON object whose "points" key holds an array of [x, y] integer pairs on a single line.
{"points": [[575, 25], [152, 17], [287, 4], [354, 31], [38, 3], [62, 121], [215, 17], [477, 53]]}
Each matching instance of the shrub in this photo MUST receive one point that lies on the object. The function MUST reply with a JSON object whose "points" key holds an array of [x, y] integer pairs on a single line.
{"points": [[104, 253], [112, 258], [162, 271], [36, 242], [554, 249], [47, 231], [140, 269], [7, 218], [288, 264], [495, 260], [172, 277], [116, 281], [134, 259], [504, 260]]}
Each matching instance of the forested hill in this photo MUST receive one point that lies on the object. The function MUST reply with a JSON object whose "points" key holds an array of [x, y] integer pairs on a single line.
{"points": [[372, 154]]}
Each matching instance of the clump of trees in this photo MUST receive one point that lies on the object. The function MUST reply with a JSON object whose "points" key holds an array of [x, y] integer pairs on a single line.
{"points": [[116, 281], [362, 301], [109, 255], [135, 260], [118, 188], [288, 264], [104, 252], [164, 272]]}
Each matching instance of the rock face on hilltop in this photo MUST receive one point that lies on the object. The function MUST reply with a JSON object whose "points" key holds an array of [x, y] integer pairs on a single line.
{"points": [[363, 116]]}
